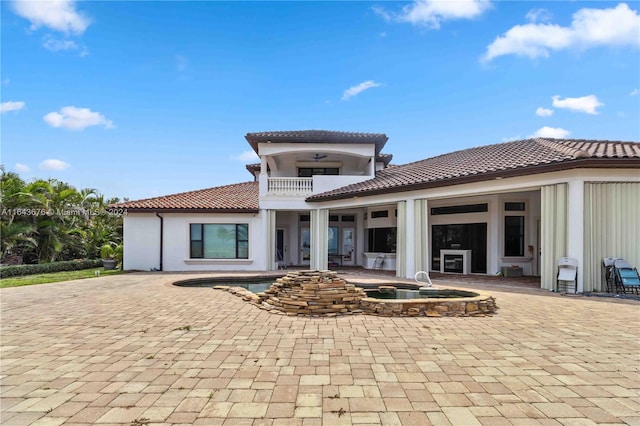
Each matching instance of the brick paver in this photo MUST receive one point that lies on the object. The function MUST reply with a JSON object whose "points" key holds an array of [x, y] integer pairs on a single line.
{"points": [[134, 348]]}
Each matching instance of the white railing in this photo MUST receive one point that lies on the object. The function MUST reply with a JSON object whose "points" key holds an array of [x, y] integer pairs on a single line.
{"points": [[290, 186]]}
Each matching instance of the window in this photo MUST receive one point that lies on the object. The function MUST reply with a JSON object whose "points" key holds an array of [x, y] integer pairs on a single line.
{"points": [[382, 240], [332, 240], [469, 208], [379, 213], [514, 207], [310, 171], [305, 218], [348, 218], [219, 241], [333, 218], [514, 235]]}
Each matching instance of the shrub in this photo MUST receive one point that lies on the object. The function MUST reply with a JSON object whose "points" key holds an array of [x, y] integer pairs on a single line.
{"points": [[107, 252], [44, 268]]}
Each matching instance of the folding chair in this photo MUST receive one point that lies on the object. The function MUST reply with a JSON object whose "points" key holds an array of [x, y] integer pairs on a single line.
{"points": [[377, 264], [280, 260], [567, 273], [608, 274], [626, 277]]}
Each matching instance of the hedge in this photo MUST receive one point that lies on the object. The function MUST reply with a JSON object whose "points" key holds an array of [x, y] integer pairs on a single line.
{"points": [[44, 268]]}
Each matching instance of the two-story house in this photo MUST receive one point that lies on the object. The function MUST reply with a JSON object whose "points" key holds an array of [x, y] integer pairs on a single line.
{"points": [[327, 199]]}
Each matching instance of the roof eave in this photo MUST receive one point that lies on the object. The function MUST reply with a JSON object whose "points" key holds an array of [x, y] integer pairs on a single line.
{"points": [[176, 210], [595, 163]]}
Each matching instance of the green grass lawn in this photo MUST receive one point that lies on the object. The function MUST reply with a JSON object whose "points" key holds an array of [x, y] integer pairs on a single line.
{"points": [[54, 277]]}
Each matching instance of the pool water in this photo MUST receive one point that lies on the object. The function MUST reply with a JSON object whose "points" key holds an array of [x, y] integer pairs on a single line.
{"points": [[254, 286], [430, 293]]}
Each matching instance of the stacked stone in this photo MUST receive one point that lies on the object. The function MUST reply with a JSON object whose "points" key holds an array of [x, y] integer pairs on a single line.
{"points": [[313, 293]]}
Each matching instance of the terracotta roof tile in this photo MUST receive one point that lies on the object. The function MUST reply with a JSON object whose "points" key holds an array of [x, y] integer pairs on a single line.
{"points": [[240, 198], [486, 161]]}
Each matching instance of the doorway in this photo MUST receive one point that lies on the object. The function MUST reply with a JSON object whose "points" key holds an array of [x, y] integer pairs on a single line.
{"points": [[281, 248], [305, 246]]}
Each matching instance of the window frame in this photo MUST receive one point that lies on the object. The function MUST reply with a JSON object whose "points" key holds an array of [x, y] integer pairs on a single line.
{"points": [[512, 210], [240, 244]]}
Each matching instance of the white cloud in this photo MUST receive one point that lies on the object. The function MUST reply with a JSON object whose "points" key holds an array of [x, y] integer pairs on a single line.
{"points": [[511, 138], [544, 112], [74, 118], [538, 15], [53, 164], [247, 156], [21, 168], [634, 92], [431, 13], [55, 45], [586, 104], [551, 132], [11, 106], [357, 89], [589, 28], [58, 15]]}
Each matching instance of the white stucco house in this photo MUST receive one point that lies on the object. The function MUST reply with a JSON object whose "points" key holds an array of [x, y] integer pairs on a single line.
{"points": [[322, 198]]}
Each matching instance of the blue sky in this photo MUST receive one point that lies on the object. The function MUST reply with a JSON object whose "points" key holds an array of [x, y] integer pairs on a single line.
{"points": [[140, 99]]}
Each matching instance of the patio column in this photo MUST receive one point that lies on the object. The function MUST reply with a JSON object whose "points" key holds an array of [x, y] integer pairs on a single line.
{"points": [[411, 239], [575, 228], [263, 179], [270, 238], [421, 248], [553, 244], [401, 240], [319, 235]]}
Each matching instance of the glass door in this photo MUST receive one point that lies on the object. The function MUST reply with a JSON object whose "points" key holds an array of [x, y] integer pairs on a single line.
{"points": [[348, 249], [305, 246]]}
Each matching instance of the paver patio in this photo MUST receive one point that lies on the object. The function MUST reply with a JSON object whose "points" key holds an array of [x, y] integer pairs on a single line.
{"points": [[134, 349]]}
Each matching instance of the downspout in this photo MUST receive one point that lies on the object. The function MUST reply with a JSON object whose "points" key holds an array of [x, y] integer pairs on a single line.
{"points": [[161, 237]]}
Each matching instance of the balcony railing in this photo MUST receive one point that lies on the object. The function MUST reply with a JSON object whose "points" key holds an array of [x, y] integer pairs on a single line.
{"points": [[290, 186]]}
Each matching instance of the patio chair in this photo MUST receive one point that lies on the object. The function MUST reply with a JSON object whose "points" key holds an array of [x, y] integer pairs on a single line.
{"points": [[626, 277], [608, 275], [377, 264], [567, 273], [280, 260]]}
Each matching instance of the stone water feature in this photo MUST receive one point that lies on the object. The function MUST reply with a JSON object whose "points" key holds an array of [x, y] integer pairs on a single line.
{"points": [[323, 293], [313, 293]]}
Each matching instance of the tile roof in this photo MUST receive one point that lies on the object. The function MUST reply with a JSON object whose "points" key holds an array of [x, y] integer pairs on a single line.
{"points": [[488, 162], [236, 198], [316, 136]]}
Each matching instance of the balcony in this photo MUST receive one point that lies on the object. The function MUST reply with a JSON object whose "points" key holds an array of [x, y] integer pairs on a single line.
{"points": [[293, 186]]}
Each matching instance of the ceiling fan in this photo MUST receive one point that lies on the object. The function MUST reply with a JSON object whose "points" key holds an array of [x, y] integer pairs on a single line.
{"points": [[318, 157]]}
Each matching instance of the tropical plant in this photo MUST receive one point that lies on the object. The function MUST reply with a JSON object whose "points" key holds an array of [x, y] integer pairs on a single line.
{"points": [[50, 220]]}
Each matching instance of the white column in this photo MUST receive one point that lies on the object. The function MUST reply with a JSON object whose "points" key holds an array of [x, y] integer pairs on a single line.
{"points": [[313, 239], [269, 231], [263, 179], [410, 239], [319, 236], [372, 166], [575, 227], [495, 229], [401, 240], [421, 250], [553, 207]]}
